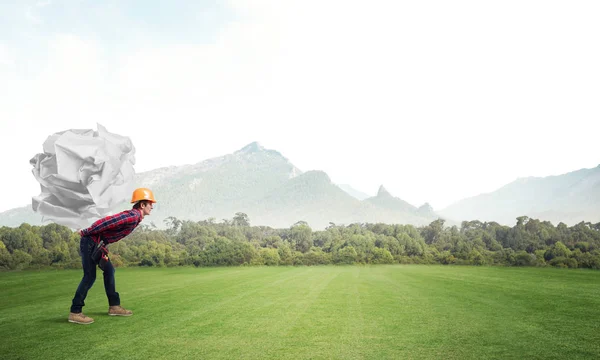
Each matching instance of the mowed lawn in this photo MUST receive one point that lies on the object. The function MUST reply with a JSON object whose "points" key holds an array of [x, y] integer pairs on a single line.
{"points": [[353, 312]]}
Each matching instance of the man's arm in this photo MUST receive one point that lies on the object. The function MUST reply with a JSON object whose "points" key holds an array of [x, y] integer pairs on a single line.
{"points": [[111, 222]]}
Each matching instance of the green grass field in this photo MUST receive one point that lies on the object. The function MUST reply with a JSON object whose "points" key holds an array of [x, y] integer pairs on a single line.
{"points": [[372, 312]]}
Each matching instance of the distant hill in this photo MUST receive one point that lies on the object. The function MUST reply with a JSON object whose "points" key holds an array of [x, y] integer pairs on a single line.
{"points": [[385, 200], [569, 198], [218, 187], [357, 194], [261, 183], [17, 216]]}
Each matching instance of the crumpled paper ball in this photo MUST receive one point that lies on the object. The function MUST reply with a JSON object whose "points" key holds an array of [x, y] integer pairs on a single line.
{"points": [[83, 174]]}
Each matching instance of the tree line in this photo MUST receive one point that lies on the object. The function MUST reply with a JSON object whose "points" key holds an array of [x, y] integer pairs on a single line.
{"points": [[234, 242]]}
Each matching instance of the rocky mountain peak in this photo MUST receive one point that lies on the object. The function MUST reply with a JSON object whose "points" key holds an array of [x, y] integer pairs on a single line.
{"points": [[253, 147], [382, 192]]}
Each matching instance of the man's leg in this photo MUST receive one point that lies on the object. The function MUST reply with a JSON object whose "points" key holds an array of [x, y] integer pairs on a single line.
{"points": [[114, 300], [89, 277], [110, 286]]}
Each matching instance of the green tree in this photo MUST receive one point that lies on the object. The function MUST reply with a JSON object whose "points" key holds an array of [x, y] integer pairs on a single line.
{"points": [[5, 257], [476, 258], [557, 250], [432, 232], [301, 236], [273, 241], [285, 254], [316, 256], [173, 224], [270, 256], [523, 258], [241, 219], [382, 256], [20, 260], [345, 255]]}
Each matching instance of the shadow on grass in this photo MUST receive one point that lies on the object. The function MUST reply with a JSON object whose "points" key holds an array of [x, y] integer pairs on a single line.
{"points": [[60, 320], [97, 313]]}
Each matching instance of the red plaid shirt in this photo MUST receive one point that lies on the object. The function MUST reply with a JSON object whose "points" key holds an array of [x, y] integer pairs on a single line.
{"points": [[114, 227]]}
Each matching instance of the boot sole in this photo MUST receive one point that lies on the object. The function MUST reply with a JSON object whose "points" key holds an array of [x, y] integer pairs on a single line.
{"points": [[79, 322]]}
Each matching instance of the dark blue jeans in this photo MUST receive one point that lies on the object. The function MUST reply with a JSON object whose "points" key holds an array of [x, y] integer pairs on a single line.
{"points": [[89, 277]]}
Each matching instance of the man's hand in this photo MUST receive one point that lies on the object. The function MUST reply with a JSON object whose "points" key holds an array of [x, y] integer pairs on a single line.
{"points": [[103, 261], [80, 232]]}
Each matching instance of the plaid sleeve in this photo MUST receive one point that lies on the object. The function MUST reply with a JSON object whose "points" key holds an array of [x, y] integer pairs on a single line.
{"points": [[110, 222]]}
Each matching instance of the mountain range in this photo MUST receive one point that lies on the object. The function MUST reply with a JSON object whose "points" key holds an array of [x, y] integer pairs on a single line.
{"points": [[568, 198], [261, 183], [266, 186]]}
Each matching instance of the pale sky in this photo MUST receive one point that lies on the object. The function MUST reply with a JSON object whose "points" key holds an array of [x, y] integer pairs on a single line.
{"points": [[436, 100]]}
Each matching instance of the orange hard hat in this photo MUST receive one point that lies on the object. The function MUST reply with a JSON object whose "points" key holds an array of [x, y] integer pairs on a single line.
{"points": [[142, 194]]}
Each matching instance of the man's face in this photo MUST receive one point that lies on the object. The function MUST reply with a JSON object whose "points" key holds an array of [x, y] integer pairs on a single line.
{"points": [[147, 208]]}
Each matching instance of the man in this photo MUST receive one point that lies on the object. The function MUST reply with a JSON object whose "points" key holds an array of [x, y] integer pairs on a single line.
{"points": [[108, 230]]}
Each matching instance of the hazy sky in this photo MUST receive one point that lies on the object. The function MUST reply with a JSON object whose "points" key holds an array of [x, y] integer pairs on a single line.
{"points": [[436, 100]]}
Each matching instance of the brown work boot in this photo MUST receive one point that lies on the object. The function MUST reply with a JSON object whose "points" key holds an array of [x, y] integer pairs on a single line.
{"points": [[119, 311], [79, 318]]}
